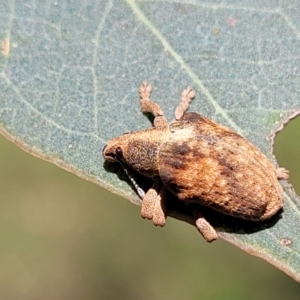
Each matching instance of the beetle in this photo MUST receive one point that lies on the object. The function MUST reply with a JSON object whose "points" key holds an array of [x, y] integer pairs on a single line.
{"points": [[199, 161]]}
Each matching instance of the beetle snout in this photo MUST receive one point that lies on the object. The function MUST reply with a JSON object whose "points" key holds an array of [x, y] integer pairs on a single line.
{"points": [[108, 154]]}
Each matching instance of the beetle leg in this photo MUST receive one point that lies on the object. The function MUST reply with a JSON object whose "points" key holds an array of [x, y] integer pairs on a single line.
{"points": [[148, 106], [203, 226], [154, 204], [282, 173], [160, 209], [186, 98]]}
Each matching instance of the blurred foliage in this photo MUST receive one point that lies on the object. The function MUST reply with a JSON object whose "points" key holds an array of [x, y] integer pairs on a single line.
{"points": [[64, 238]]}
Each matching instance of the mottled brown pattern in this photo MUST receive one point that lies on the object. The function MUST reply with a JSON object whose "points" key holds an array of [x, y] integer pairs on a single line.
{"points": [[229, 174]]}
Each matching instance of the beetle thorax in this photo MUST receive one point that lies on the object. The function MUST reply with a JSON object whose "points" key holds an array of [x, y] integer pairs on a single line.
{"points": [[142, 156], [142, 149]]}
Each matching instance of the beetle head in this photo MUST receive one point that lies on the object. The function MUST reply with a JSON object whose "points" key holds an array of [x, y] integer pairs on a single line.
{"points": [[136, 150]]}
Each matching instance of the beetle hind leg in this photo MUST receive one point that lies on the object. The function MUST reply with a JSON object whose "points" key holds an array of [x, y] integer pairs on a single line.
{"points": [[203, 226]]}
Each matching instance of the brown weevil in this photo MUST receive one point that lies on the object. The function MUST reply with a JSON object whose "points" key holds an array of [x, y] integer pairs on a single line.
{"points": [[200, 161]]}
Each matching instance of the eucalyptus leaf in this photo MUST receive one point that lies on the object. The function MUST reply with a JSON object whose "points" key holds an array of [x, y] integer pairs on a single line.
{"points": [[70, 72]]}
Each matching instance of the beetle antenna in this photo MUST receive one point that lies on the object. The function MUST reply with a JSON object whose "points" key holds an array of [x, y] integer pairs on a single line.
{"points": [[139, 190]]}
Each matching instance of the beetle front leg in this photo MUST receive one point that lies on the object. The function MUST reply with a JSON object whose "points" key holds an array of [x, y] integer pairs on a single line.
{"points": [[148, 106], [154, 204]]}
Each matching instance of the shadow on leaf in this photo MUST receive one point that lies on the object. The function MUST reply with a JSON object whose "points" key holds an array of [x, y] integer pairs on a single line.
{"points": [[183, 211]]}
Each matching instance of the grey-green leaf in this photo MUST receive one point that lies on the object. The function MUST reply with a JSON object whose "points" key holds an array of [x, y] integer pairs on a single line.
{"points": [[70, 72]]}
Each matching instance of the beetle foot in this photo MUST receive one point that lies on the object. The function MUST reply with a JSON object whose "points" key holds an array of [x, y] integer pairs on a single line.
{"points": [[282, 173], [145, 90], [186, 98], [203, 226], [148, 106], [154, 205]]}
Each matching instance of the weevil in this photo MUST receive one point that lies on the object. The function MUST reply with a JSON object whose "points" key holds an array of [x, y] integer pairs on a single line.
{"points": [[199, 161]]}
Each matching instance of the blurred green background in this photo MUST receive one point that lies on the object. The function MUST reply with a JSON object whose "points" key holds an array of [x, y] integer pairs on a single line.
{"points": [[64, 238]]}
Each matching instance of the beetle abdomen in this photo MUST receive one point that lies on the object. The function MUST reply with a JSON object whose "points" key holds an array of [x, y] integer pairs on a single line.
{"points": [[216, 167]]}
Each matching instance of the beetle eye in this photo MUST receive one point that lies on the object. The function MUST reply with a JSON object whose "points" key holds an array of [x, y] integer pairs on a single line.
{"points": [[119, 152]]}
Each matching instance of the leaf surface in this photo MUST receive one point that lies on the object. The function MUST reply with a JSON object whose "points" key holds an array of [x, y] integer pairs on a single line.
{"points": [[70, 72]]}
